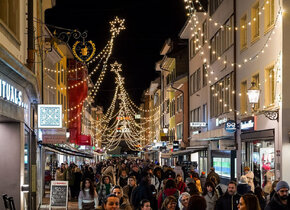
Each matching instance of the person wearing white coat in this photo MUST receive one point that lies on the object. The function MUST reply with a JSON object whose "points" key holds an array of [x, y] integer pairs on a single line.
{"points": [[250, 176]]}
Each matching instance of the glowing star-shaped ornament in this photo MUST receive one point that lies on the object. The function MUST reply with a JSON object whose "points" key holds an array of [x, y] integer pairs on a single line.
{"points": [[116, 67], [120, 81], [117, 25]]}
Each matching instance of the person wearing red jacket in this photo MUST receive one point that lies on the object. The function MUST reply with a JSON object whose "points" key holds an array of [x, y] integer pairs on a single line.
{"points": [[169, 189], [181, 186]]}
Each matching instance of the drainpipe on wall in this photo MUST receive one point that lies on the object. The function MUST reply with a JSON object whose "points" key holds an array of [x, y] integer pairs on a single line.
{"points": [[30, 39]]}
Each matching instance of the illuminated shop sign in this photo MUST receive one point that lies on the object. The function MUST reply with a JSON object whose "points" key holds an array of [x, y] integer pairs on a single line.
{"points": [[220, 121], [197, 124], [12, 94], [230, 126], [248, 124], [123, 118]]}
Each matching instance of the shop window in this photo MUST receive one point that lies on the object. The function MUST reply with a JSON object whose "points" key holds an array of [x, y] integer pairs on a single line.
{"points": [[255, 22], [269, 86], [260, 157], [222, 166], [9, 15], [243, 32], [244, 97], [256, 80], [204, 74], [269, 15]]}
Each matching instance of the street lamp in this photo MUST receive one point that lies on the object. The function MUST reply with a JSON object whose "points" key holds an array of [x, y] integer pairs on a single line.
{"points": [[254, 96], [165, 130]]}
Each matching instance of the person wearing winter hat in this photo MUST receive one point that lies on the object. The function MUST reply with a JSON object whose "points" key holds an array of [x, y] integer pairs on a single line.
{"points": [[243, 186], [281, 199]]}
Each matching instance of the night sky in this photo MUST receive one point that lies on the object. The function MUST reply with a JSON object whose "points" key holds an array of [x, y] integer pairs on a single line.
{"points": [[148, 24]]}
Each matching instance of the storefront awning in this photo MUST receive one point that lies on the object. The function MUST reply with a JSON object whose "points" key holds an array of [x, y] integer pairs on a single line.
{"points": [[216, 134], [66, 151]]}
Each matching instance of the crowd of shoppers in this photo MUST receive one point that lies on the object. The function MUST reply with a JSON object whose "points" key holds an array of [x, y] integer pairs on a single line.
{"points": [[138, 184]]}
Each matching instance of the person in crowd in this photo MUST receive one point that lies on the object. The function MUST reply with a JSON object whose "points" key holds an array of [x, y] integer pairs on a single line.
{"points": [[191, 189], [273, 190], [143, 191], [218, 188], [170, 203], [178, 170], [260, 195], [243, 186], [122, 167], [77, 183], [197, 202], [70, 177], [169, 173], [130, 187], [153, 179], [211, 174], [159, 174], [123, 179], [281, 199], [169, 190], [124, 202], [145, 205], [59, 175], [88, 198], [111, 202], [181, 186], [183, 201], [105, 188], [249, 202], [197, 182], [230, 200], [250, 177], [110, 171], [135, 172], [202, 179], [210, 195]]}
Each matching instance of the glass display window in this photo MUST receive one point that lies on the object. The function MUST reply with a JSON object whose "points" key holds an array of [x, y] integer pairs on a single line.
{"points": [[260, 157]]}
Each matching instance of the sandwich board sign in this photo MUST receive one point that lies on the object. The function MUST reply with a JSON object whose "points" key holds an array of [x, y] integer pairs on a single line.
{"points": [[58, 194]]}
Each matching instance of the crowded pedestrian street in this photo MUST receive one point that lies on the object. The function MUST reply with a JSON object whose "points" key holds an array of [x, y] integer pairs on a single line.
{"points": [[144, 105]]}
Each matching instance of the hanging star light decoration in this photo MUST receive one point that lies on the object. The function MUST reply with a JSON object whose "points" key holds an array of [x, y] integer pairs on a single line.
{"points": [[116, 67], [117, 25]]}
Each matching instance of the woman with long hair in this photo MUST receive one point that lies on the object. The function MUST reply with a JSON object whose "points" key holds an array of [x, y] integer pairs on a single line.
{"points": [[249, 202], [210, 195], [170, 203], [181, 186], [88, 198], [169, 189]]}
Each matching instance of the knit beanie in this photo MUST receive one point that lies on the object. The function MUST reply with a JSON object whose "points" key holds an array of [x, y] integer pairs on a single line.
{"points": [[282, 184]]}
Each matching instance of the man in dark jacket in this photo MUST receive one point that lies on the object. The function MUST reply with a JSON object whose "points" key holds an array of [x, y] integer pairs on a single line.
{"points": [[144, 191], [281, 199], [230, 200]]}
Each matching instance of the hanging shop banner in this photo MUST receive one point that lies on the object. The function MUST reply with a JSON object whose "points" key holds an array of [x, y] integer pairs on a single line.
{"points": [[198, 124], [175, 145], [231, 126], [49, 116], [248, 124], [58, 194], [54, 136]]}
